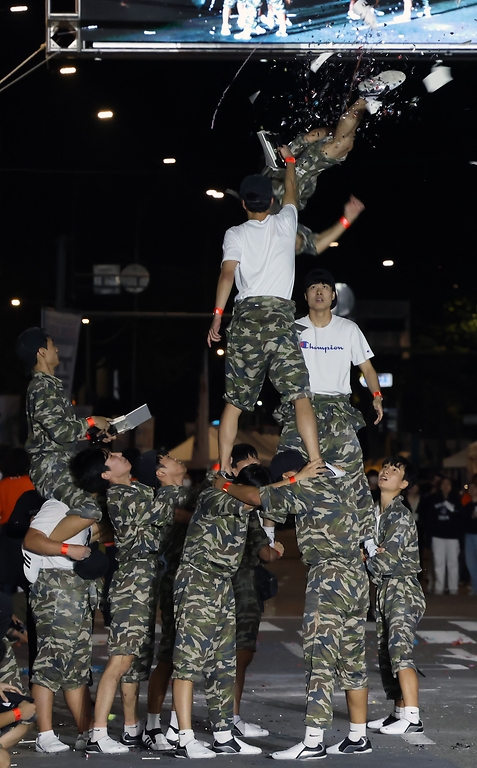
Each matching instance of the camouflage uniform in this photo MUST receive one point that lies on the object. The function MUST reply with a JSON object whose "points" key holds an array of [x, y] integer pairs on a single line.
{"points": [[338, 423], [248, 609], [53, 433], [62, 604], [400, 601], [261, 339], [204, 602], [310, 162], [337, 595], [137, 517], [9, 672], [307, 241]]}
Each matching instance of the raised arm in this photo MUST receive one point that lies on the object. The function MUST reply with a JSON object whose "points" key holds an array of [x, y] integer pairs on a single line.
{"points": [[224, 286], [351, 211], [290, 196]]}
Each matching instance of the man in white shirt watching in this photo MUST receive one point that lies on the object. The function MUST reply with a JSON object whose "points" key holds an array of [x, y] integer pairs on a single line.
{"points": [[260, 256], [330, 345]]}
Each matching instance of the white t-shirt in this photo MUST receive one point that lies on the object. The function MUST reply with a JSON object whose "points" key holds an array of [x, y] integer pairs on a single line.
{"points": [[329, 352], [46, 520], [265, 251]]}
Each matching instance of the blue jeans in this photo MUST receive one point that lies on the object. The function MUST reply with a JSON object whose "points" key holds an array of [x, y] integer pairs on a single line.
{"points": [[471, 558]]}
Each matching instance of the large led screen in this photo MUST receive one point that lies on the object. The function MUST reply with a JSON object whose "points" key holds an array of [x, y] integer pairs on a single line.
{"points": [[278, 25]]}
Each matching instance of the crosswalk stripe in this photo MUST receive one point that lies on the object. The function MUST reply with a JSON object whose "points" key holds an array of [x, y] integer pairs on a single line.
{"points": [[417, 738], [294, 648], [455, 666], [459, 653], [266, 626], [443, 636], [469, 626]]}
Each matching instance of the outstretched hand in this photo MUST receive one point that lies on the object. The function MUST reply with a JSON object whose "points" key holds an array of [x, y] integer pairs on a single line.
{"points": [[213, 334], [353, 209], [378, 407]]}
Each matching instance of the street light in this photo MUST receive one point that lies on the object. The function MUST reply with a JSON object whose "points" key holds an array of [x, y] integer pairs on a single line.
{"points": [[213, 193], [105, 114], [15, 302], [169, 160], [85, 320], [221, 352], [18, 8], [388, 263], [67, 70]]}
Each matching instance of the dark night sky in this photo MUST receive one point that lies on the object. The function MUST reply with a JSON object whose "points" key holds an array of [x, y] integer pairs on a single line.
{"points": [[104, 186]]}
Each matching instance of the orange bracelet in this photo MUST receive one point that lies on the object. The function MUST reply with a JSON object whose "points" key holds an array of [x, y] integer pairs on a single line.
{"points": [[18, 714], [344, 222], [64, 549], [91, 421], [215, 467], [226, 486], [292, 479], [377, 394], [290, 159], [218, 311]]}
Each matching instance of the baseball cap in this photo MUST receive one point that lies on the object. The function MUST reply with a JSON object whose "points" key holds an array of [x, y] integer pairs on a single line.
{"points": [[256, 192]]}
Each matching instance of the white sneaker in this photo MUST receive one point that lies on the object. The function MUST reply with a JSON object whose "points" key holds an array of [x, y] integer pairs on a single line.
{"points": [[348, 747], [402, 726], [235, 746], [50, 744], [106, 746], [250, 730], [335, 470], [244, 35], [282, 32], [225, 31], [194, 750], [366, 13], [155, 740], [381, 84], [376, 725], [258, 30], [300, 752], [269, 21], [352, 16]]}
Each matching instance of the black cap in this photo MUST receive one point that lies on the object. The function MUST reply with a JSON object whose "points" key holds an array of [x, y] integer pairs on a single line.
{"points": [[256, 192], [28, 344], [94, 566], [321, 276], [286, 461]]}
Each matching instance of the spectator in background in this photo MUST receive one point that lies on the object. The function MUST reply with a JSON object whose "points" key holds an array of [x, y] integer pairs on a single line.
{"points": [[16, 480], [444, 516], [470, 528]]}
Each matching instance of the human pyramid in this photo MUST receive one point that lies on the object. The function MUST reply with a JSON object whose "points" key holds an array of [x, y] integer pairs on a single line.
{"points": [[212, 538]]}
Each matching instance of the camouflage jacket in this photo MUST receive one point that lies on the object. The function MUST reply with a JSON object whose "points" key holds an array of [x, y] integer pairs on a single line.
{"points": [[52, 424], [137, 517], [256, 539], [327, 526], [217, 533], [397, 533]]}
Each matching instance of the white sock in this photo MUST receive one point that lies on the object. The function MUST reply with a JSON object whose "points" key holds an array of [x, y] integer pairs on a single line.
{"points": [[398, 712], [185, 737], [313, 736], [132, 730], [43, 734], [173, 722], [98, 733], [237, 719], [153, 721], [270, 533], [221, 737], [357, 731], [411, 714]]}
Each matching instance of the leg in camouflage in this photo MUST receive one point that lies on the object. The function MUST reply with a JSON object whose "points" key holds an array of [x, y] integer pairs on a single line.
{"points": [[205, 641], [338, 423], [131, 595], [52, 479], [62, 605], [400, 605], [9, 672], [334, 620], [141, 666]]}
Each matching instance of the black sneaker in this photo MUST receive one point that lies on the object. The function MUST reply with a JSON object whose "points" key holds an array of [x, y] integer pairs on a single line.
{"points": [[348, 747], [235, 747], [131, 741], [376, 725], [270, 143], [155, 740], [300, 752]]}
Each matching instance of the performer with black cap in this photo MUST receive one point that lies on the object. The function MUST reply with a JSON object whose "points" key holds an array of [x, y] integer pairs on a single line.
{"points": [[260, 256], [330, 345]]}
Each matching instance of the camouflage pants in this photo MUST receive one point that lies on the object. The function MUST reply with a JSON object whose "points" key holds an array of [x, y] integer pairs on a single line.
{"points": [[52, 479], [132, 599], [247, 609], [310, 162], [307, 241], [261, 339], [62, 604], [334, 619], [338, 423], [400, 605], [9, 672], [166, 602], [205, 639]]}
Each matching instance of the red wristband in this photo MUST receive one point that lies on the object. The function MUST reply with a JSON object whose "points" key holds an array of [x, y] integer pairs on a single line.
{"points": [[290, 159], [91, 421], [218, 311], [18, 714], [344, 222], [292, 479], [64, 549], [226, 486], [377, 394], [215, 467]]}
